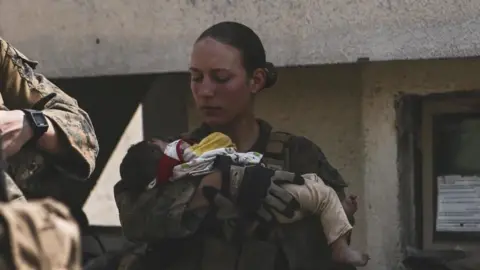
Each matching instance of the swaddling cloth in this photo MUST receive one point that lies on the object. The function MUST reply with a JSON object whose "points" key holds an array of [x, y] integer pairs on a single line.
{"points": [[182, 159]]}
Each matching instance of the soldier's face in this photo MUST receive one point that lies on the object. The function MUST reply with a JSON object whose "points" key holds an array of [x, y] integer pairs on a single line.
{"points": [[220, 86]]}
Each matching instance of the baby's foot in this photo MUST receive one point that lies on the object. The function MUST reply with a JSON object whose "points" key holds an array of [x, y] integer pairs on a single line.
{"points": [[347, 255], [342, 253]]}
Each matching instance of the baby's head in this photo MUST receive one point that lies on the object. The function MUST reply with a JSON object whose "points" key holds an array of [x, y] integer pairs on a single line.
{"points": [[139, 166]]}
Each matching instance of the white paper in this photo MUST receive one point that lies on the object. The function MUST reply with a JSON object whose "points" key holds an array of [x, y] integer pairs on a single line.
{"points": [[458, 204]]}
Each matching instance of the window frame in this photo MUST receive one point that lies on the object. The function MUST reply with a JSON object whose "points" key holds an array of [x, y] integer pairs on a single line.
{"points": [[431, 108]]}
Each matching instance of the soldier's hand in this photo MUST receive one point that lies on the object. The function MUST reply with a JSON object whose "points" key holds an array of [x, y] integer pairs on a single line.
{"points": [[257, 189], [15, 131]]}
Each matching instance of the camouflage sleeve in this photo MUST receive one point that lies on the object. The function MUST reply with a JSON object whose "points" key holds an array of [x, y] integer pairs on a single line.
{"points": [[158, 213], [21, 88], [307, 157]]}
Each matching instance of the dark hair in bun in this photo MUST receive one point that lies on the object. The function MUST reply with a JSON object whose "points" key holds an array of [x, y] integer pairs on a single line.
{"points": [[271, 75], [247, 42]]}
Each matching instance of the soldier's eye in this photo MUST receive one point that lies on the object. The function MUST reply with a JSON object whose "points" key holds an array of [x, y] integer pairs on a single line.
{"points": [[221, 78], [196, 78]]}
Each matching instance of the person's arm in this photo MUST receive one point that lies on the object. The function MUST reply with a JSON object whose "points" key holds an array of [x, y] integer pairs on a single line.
{"points": [[177, 209], [70, 139], [174, 210], [307, 157]]}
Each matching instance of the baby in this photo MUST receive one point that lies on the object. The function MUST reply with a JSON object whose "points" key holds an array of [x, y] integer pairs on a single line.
{"points": [[155, 162]]}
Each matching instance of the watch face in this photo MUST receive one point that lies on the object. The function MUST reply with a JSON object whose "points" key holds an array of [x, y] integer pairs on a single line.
{"points": [[39, 119]]}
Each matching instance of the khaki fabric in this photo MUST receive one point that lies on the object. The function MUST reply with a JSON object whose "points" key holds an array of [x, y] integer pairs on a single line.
{"points": [[39, 235], [321, 200], [14, 193]]}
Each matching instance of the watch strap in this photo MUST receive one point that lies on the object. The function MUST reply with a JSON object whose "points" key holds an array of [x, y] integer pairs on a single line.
{"points": [[38, 130]]}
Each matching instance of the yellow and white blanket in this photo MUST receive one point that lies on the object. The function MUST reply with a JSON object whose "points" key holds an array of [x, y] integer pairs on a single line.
{"points": [[199, 159]]}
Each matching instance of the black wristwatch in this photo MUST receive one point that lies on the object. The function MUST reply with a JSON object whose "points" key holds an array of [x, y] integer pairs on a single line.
{"points": [[38, 122]]}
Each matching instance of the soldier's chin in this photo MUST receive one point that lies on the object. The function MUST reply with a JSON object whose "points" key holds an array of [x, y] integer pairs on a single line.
{"points": [[213, 121]]}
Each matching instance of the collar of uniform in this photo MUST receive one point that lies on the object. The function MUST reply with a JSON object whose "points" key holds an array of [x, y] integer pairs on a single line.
{"points": [[263, 136]]}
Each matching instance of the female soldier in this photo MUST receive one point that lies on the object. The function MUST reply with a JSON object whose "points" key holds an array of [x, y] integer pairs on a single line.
{"points": [[187, 225]]}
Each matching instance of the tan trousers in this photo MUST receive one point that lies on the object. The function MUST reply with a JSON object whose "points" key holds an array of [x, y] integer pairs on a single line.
{"points": [[319, 199]]}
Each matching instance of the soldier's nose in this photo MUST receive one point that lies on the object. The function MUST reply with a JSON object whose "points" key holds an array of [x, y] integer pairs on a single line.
{"points": [[206, 91]]}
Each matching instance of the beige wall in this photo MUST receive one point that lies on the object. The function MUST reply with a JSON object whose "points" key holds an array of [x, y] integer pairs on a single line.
{"points": [[381, 82], [349, 111], [100, 206], [79, 38]]}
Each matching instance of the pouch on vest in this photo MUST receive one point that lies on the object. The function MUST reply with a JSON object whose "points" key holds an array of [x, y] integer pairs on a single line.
{"points": [[303, 243]]}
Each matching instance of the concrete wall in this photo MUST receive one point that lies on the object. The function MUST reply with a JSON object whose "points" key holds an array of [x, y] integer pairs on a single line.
{"points": [[348, 110], [381, 82], [94, 37]]}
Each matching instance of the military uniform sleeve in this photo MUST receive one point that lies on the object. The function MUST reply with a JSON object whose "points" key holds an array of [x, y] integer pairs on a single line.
{"points": [[21, 88], [307, 157], [158, 213]]}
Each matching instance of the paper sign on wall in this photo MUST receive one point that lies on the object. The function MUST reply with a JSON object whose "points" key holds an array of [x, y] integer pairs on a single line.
{"points": [[458, 204]]}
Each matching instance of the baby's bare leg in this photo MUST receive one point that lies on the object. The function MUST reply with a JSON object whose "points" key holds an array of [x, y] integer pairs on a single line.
{"points": [[319, 199], [343, 253]]}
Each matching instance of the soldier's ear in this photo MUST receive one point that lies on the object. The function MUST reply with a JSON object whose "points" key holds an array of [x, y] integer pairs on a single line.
{"points": [[258, 80]]}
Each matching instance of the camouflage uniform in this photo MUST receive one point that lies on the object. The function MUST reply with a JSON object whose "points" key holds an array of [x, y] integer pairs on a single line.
{"points": [[38, 235], [158, 216], [39, 174]]}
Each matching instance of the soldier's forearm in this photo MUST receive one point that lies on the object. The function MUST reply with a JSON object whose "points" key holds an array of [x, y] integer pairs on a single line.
{"points": [[50, 141], [75, 135], [71, 128]]}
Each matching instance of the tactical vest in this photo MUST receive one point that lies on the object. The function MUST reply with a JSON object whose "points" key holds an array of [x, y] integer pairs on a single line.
{"points": [[298, 246], [277, 154]]}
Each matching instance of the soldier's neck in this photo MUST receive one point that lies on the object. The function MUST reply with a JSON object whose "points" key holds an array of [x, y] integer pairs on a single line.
{"points": [[243, 131]]}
